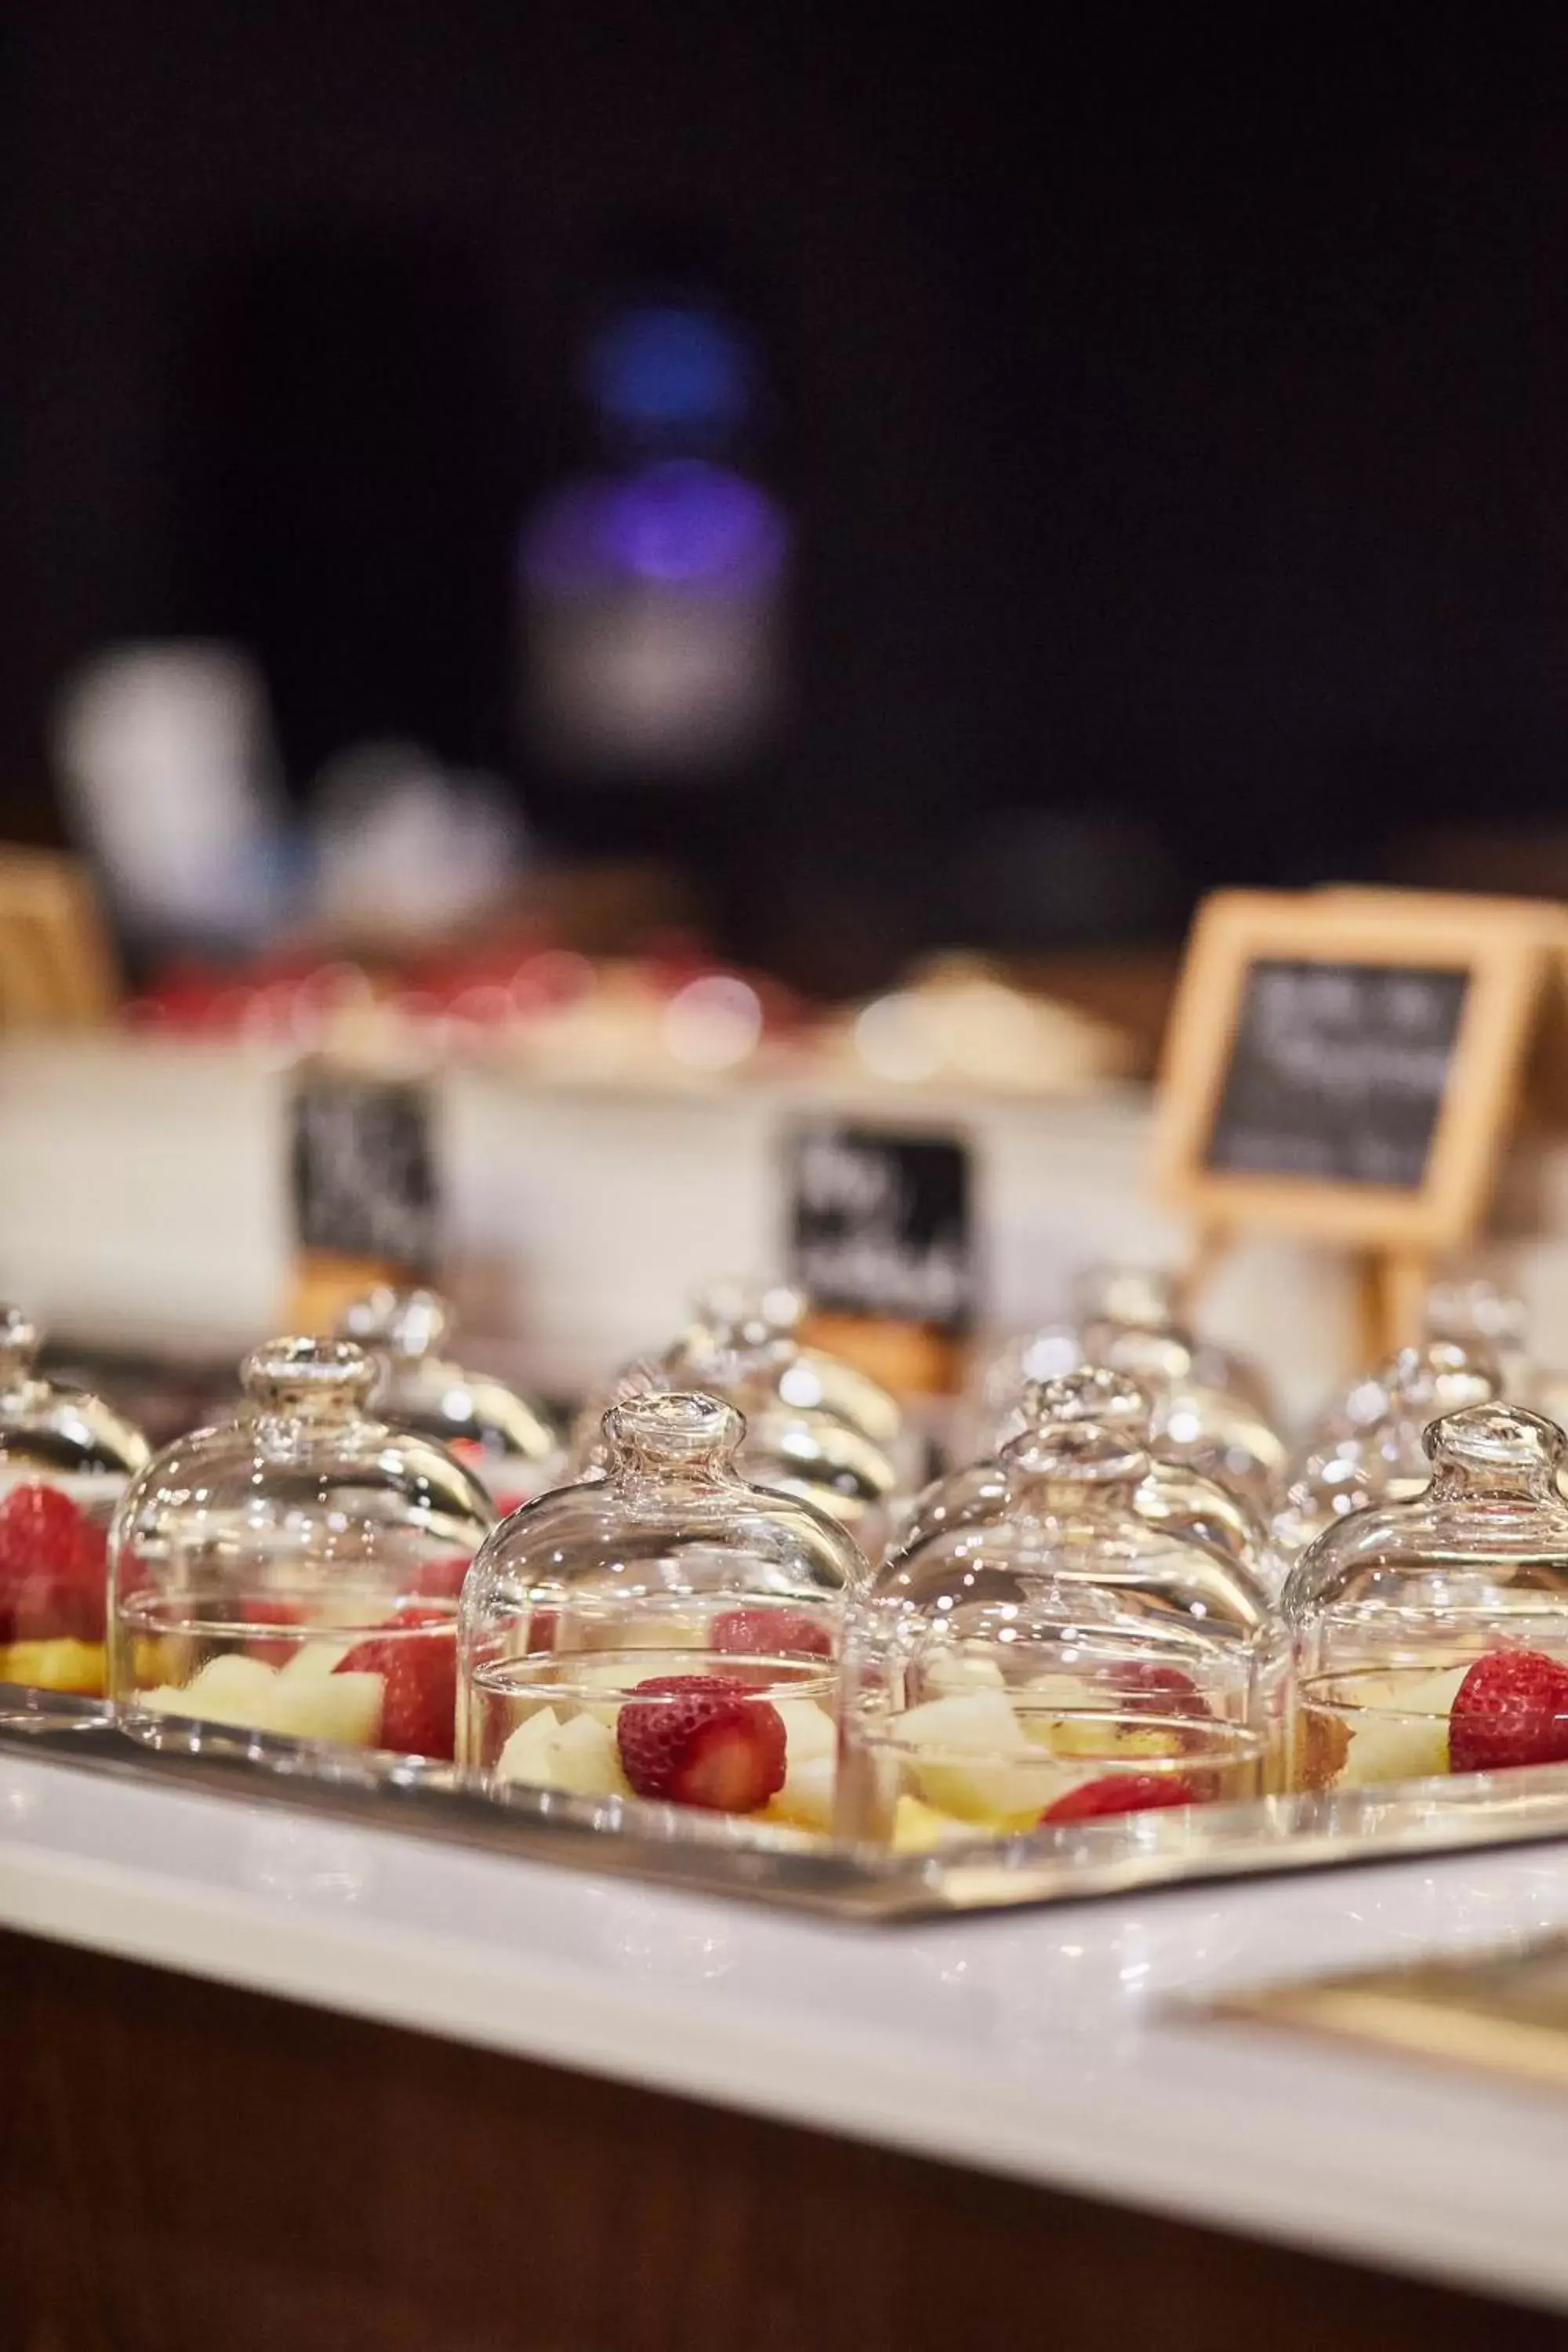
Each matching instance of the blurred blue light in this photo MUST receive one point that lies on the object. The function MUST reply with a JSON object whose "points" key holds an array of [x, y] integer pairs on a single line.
{"points": [[666, 366]]}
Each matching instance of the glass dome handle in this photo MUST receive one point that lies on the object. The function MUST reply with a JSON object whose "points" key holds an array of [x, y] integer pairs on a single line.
{"points": [[1494, 1449], [1083, 1454], [673, 1432], [310, 1377]]}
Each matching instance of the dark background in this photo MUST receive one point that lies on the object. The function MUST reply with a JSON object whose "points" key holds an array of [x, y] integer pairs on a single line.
{"points": [[1170, 403]]}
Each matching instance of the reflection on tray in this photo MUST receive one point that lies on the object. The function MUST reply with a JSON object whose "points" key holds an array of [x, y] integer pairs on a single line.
{"points": [[1507, 2012], [714, 1855]]}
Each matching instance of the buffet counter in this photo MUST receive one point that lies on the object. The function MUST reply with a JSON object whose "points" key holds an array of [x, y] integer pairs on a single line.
{"points": [[217, 2138]]}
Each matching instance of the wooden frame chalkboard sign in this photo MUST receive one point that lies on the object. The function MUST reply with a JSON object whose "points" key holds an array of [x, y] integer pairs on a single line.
{"points": [[1346, 1066]]}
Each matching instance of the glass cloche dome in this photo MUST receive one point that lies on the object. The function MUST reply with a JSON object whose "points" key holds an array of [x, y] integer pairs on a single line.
{"points": [[292, 1575], [65, 1458], [1053, 1658], [507, 1441], [1170, 1496], [1431, 1635], [664, 1631], [1371, 1450]]}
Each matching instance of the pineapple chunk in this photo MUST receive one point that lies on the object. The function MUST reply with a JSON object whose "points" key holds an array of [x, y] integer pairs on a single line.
{"points": [[982, 1724], [585, 1759], [1381, 1751], [578, 1756], [313, 1660], [77, 1667], [233, 1689], [918, 1829], [1410, 1741], [809, 1732], [526, 1755], [806, 1800], [1431, 1693], [246, 1693], [953, 1673], [342, 1707]]}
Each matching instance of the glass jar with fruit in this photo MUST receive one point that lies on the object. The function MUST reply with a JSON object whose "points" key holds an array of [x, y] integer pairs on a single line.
{"points": [[508, 1441], [664, 1631], [1371, 1449], [1211, 1429], [1053, 1657], [291, 1575], [65, 1458], [1430, 1636]]}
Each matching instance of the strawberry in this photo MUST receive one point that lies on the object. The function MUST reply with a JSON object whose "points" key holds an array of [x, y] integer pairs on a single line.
{"points": [[772, 1632], [1120, 1792], [263, 1611], [442, 1580], [81, 1589], [1511, 1708], [416, 1656], [701, 1740], [54, 1566], [1150, 1690]]}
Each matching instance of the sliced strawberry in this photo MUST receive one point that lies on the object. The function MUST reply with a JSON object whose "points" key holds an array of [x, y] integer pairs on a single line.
{"points": [[40, 1527], [1511, 1708], [1121, 1792], [772, 1632], [442, 1580], [701, 1740], [53, 1567], [1150, 1690], [267, 1611], [417, 1657]]}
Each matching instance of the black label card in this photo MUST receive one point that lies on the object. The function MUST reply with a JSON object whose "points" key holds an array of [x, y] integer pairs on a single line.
{"points": [[881, 1224], [1337, 1072], [364, 1167]]}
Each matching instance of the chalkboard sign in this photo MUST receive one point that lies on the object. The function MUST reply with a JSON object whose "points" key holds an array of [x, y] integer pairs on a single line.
{"points": [[881, 1225], [1338, 1071], [364, 1168], [1346, 1065]]}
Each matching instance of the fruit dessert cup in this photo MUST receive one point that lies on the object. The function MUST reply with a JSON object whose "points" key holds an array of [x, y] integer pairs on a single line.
{"points": [[985, 1741], [292, 1576], [1052, 1653], [388, 1682], [65, 1459], [1490, 1712], [54, 1574], [665, 1631], [732, 1713], [1430, 1636]]}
